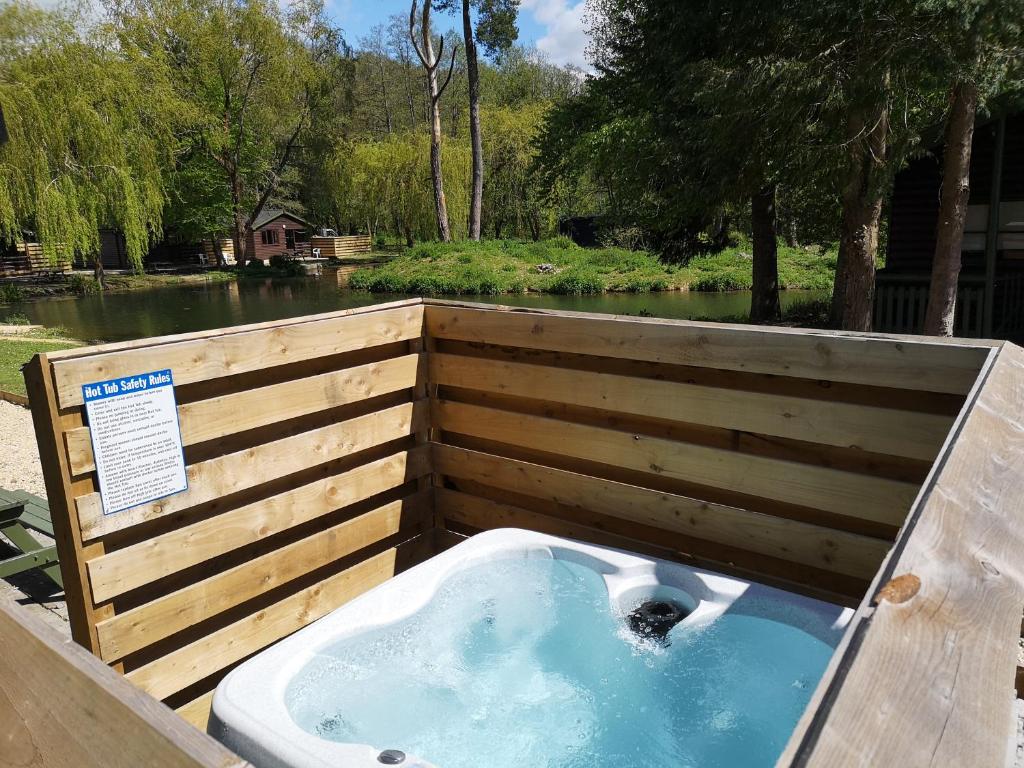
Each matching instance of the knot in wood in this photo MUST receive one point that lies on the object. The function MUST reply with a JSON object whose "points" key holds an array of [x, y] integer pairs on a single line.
{"points": [[899, 590]]}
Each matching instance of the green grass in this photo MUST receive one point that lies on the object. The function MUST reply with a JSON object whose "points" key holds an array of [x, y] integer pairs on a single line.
{"points": [[507, 266], [14, 353]]}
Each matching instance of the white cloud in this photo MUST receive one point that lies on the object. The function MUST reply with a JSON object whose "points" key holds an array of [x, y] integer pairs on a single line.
{"points": [[565, 41]]}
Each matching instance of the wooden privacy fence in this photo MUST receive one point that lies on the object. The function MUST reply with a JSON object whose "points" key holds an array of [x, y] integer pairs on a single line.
{"points": [[325, 454], [341, 247]]}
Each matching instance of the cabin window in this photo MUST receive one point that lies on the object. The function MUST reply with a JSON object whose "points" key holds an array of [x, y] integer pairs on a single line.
{"points": [[269, 237]]}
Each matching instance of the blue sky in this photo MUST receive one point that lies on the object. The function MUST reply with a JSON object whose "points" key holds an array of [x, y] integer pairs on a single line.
{"points": [[554, 26]]}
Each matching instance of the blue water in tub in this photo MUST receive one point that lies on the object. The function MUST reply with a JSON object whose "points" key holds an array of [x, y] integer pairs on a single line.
{"points": [[523, 663]]}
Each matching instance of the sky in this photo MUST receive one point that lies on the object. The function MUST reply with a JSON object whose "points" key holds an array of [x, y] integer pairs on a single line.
{"points": [[554, 26]]}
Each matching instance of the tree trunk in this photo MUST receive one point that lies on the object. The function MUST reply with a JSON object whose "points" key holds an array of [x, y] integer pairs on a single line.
{"points": [[956, 189], [238, 221], [218, 251], [430, 64], [861, 197], [97, 272], [791, 235], [476, 140], [384, 96], [764, 300]]}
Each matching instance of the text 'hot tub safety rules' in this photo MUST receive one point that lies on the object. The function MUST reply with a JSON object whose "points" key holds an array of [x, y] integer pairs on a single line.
{"points": [[136, 440]]}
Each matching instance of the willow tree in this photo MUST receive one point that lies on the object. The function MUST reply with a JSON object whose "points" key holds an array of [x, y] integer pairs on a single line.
{"points": [[253, 76], [91, 137]]}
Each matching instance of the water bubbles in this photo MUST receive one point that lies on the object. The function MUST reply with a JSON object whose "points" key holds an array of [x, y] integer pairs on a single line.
{"points": [[524, 661]]}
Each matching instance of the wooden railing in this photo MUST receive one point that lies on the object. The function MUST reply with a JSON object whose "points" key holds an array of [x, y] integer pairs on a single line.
{"points": [[902, 300], [325, 454]]}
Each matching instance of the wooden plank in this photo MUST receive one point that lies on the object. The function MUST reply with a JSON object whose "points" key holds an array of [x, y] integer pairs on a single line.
{"points": [[843, 493], [197, 711], [224, 475], [881, 430], [878, 361], [60, 490], [140, 627], [60, 706], [133, 566], [926, 677], [229, 414], [213, 356], [791, 540], [185, 666]]}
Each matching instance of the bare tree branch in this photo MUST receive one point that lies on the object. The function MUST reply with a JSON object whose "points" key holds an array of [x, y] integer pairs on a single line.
{"points": [[451, 67]]}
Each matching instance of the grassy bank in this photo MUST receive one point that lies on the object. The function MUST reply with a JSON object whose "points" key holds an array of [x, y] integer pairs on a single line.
{"points": [[82, 284], [15, 352], [559, 266]]}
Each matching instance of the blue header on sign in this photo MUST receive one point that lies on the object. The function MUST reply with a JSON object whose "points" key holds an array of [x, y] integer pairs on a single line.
{"points": [[127, 384]]}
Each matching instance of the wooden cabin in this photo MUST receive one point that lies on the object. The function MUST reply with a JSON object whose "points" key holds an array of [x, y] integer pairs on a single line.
{"points": [[325, 454], [278, 233], [991, 294], [28, 259]]}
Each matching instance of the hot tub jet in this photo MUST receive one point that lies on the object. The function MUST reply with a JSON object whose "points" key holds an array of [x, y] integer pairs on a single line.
{"points": [[653, 619]]}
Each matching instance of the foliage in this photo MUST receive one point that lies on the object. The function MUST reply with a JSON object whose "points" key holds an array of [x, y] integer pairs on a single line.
{"points": [[92, 134], [11, 293], [509, 266], [83, 285]]}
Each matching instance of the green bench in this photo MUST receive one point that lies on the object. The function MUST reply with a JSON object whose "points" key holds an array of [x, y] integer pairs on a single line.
{"points": [[21, 512]]}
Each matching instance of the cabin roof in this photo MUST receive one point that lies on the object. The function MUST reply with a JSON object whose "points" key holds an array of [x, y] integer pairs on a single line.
{"points": [[267, 215]]}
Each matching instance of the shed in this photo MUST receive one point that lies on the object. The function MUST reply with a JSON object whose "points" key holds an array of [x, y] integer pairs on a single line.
{"points": [[991, 295], [275, 233]]}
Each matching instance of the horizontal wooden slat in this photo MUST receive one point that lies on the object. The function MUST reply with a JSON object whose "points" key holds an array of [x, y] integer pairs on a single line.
{"points": [[224, 475], [60, 706], [142, 626], [126, 569], [199, 359], [185, 666], [927, 678], [937, 367], [843, 493], [840, 424], [470, 512], [229, 414], [791, 540]]}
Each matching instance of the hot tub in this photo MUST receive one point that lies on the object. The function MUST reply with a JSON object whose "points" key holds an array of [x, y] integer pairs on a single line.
{"points": [[515, 648]]}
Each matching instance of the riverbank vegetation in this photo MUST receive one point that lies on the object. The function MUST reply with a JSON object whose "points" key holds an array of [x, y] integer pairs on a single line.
{"points": [[186, 119], [561, 267], [15, 351]]}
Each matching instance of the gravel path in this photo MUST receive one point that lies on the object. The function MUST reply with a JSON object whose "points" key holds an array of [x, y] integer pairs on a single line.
{"points": [[19, 458]]}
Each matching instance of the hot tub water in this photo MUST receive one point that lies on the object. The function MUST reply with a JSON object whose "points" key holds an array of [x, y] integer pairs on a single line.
{"points": [[526, 661]]}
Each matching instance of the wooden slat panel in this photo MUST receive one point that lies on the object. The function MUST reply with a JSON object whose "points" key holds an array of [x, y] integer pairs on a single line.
{"points": [[60, 706], [843, 493], [209, 480], [938, 367], [919, 435], [236, 352], [470, 512], [131, 567], [813, 545], [204, 657], [230, 414], [142, 626], [927, 676]]}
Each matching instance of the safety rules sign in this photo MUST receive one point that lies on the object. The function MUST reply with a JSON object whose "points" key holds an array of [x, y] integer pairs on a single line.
{"points": [[136, 439]]}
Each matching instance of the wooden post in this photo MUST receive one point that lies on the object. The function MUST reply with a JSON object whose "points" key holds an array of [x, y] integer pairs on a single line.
{"points": [[992, 230]]}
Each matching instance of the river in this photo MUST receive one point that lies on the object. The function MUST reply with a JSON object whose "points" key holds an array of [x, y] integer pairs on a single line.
{"points": [[197, 307]]}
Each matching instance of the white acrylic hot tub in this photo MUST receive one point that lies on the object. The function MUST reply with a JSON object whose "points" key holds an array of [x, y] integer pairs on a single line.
{"points": [[250, 708]]}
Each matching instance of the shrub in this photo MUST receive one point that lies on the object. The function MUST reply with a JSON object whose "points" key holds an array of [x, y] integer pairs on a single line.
{"points": [[289, 266], [577, 282], [16, 319], [10, 293], [83, 285]]}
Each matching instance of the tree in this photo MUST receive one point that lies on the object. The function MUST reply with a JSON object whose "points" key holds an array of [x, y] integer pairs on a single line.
{"points": [[976, 48], [92, 136], [431, 62], [496, 29], [252, 75]]}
